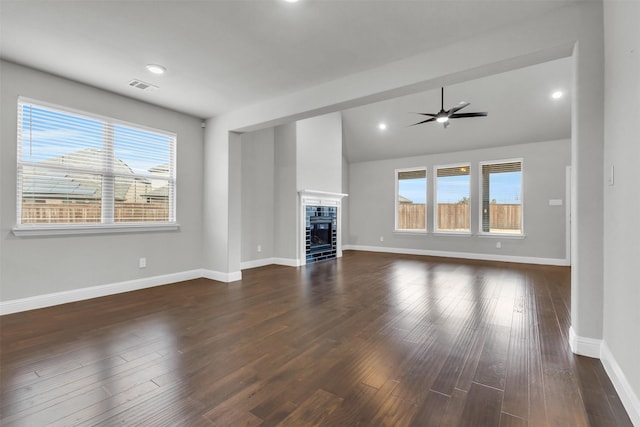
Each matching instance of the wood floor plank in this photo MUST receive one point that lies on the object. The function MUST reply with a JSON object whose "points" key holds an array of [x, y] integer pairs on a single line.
{"points": [[368, 339], [482, 407], [313, 410]]}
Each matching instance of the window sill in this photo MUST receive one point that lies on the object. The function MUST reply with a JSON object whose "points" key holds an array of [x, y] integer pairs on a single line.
{"points": [[68, 230], [418, 232], [453, 233], [501, 236]]}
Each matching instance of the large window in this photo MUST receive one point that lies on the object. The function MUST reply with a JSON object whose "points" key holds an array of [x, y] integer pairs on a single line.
{"points": [[411, 199], [501, 195], [452, 199], [76, 168]]}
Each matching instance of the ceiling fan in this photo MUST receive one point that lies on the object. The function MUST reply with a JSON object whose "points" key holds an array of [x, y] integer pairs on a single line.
{"points": [[443, 116]]}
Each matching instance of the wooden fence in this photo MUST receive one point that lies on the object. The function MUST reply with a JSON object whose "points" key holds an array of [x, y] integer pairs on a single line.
{"points": [[52, 213], [455, 216]]}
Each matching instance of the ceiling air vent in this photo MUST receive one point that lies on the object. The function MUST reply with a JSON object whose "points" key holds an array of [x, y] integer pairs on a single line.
{"points": [[139, 84]]}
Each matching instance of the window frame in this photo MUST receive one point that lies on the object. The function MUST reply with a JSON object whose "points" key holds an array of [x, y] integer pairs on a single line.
{"points": [[480, 195], [108, 223], [396, 203], [436, 230]]}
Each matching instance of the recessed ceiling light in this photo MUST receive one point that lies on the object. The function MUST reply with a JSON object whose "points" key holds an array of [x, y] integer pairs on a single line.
{"points": [[291, 1], [156, 69], [382, 126], [557, 94]]}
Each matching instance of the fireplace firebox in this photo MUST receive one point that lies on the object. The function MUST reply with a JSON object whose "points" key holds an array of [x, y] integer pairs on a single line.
{"points": [[320, 233]]}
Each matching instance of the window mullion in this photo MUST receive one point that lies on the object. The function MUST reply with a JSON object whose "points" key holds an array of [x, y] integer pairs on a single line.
{"points": [[108, 179]]}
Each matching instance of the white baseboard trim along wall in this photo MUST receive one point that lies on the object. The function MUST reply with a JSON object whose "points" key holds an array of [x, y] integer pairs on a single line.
{"points": [[56, 298], [289, 262], [598, 349], [630, 400], [462, 255]]}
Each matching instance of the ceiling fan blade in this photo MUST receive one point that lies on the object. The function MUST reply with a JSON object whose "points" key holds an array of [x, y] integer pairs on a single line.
{"points": [[463, 115], [424, 121], [426, 114], [458, 107]]}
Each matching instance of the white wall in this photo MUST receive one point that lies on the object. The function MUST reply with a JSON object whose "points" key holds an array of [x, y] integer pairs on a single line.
{"points": [[372, 194], [257, 194], [286, 196], [319, 153], [345, 202], [42, 265], [621, 202]]}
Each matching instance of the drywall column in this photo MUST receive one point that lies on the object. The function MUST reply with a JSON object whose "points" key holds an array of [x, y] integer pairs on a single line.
{"points": [[221, 228], [319, 153], [620, 350], [257, 195], [285, 195], [586, 161]]}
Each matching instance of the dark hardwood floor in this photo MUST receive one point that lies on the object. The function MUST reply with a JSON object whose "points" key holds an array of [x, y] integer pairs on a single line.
{"points": [[370, 339]]}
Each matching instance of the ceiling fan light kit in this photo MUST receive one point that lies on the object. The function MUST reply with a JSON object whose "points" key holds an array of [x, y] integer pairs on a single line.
{"points": [[443, 115]]}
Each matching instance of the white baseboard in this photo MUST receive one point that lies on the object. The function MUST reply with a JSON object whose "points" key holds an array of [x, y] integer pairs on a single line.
{"points": [[584, 346], [256, 263], [56, 298], [629, 398], [289, 262], [463, 255], [219, 276]]}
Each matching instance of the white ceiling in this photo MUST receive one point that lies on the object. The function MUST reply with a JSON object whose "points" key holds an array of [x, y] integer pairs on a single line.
{"points": [[518, 102], [222, 55]]}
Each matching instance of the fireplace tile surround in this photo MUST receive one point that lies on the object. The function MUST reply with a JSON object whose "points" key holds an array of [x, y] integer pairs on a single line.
{"points": [[320, 226], [319, 247]]}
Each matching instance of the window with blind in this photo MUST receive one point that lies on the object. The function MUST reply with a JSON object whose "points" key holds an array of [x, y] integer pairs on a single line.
{"points": [[452, 199], [76, 168], [501, 197], [411, 199]]}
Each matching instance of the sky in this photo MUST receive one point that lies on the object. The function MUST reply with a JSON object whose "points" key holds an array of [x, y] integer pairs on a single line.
{"points": [[504, 187], [48, 134]]}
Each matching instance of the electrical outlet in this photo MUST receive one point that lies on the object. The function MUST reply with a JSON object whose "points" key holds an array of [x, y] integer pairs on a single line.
{"points": [[142, 263], [259, 248], [382, 238], [498, 245]]}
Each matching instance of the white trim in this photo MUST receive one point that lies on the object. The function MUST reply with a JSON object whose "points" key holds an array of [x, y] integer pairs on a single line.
{"points": [[463, 255], [629, 398], [219, 276], [584, 346], [289, 262], [66, 230], [256, 263], [322, 194], [568, 214], [501, 235], [56, 298]]}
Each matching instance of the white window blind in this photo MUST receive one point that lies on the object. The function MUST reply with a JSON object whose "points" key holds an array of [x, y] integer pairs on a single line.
{"points": [[452, 198], [79, 168]]}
